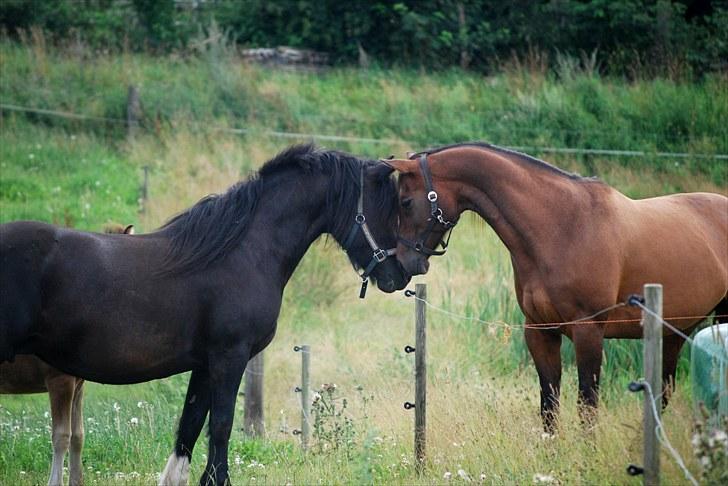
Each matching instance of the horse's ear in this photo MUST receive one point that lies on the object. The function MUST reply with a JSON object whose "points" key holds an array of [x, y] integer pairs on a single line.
{"points": [[129, 230], [403, 166], [379, 171]]}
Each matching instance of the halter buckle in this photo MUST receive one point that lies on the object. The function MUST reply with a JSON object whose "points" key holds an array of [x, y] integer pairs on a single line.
{"points": [[380, 255], [432, 196], [360, 219]]}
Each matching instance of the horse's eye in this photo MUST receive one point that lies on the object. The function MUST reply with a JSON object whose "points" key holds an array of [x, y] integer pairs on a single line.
{"points": [[406, 203]]}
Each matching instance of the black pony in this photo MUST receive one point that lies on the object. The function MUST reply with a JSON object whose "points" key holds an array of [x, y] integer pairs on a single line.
{"points": [[202, 293]]}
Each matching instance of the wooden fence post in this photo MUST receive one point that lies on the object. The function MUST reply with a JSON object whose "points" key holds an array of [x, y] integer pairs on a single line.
{"points": [[420, 376], [305, 390], [254, 425], [133, 111], [652, 355], [145, 188]]}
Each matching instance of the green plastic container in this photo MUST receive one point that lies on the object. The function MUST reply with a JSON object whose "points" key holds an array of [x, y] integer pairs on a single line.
{"points": [[709, 369]]}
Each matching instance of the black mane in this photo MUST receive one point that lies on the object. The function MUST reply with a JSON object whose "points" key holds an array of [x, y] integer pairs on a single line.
{"points": [[520, 155], [214, 226]]}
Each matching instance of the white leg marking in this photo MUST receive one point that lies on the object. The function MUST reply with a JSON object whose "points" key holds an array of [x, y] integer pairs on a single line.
{"points": [[176, 472]]}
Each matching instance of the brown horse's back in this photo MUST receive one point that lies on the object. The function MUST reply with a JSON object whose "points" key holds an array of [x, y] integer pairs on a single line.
{"points": [[680, 241]]}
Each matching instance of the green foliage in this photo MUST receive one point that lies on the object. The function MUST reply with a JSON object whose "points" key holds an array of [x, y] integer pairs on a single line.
{"points": [[633, 37], [577, 109]]}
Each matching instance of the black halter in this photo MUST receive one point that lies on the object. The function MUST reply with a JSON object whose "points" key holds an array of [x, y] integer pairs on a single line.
{"points": [[360, 223], [436, 217]]}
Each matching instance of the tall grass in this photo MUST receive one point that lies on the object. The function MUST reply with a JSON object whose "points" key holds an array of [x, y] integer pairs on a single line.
{"points": [[483, 395], [517, 108]]}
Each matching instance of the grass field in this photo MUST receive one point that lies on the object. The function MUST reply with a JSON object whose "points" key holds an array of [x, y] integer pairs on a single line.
{"points": [[483, 396]]}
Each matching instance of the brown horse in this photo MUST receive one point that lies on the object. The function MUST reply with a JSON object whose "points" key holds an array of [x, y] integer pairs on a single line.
{"points": [[30, 374], [577, 246]]}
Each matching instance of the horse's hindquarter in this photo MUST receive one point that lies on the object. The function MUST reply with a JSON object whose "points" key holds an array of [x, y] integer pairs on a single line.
{"points": [[681, 242], [107, 315]]}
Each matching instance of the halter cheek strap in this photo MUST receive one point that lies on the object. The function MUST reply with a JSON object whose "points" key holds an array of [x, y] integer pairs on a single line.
{"points": [[360, 223], [436, 217]]}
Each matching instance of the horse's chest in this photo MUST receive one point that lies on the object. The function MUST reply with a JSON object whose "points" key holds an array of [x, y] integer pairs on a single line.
{"points": [[537, 304]]}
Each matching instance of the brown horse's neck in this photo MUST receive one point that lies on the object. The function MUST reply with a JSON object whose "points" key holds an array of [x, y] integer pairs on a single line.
{"points": [[527, 205]]}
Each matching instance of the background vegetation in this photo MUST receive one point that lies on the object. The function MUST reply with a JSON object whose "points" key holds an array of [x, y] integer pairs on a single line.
{"points": [[483, 395], [631, 37]]}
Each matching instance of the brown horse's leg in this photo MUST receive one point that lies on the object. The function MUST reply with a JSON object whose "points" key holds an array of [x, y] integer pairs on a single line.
{"points": [[545, 349], [74, 460], [60, 392], [588, 343]]}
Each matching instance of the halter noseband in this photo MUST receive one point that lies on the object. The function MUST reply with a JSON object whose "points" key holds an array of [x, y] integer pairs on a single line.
{"points": [[436, 217], [360, 223]]}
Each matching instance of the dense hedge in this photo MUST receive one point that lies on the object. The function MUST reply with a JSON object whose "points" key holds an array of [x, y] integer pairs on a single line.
{"points": [[629, 36]]}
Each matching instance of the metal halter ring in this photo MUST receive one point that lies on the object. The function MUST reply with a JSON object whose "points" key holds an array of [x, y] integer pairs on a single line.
{"points": [[360, 219], [380, 255], [432, 196]]}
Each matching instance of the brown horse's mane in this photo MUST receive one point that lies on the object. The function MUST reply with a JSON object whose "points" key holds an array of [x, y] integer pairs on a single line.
{"points": [[520, 155]]}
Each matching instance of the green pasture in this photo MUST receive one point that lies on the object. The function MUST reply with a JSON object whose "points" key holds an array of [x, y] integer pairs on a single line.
{"points": [[483, 394]]}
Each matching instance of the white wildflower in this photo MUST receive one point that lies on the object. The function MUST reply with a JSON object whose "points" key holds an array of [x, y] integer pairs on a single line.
{"points": [[447, 476], [463, 475], [721, 436], [134, 421], [543, 478]]}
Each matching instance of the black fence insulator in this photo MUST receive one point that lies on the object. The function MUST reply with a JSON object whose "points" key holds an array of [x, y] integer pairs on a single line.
{"points": [[636, 386], [409, 349], [635, 299], [297, 389], [296, 432], [634, 470], [296, 348], [409, 293], [409, 405]]}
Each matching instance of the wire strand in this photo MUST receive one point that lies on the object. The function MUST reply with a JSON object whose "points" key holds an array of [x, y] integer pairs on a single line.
{"points": [[662, 435], [381, 141], [556, 325]]}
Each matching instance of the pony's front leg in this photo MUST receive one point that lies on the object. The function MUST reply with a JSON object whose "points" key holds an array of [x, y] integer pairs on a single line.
{"points": [[588, 344], [226, 371], [197, 404], [545, 348]]}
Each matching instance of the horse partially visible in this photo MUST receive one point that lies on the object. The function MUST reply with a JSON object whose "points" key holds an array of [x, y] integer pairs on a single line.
{"points": [[30, 374], [203, 293], [577, 246]]}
